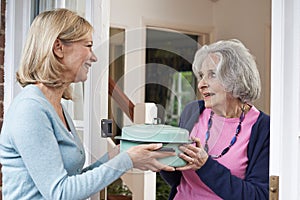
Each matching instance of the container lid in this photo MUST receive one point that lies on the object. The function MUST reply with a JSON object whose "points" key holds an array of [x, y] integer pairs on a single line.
{"points": [[155, 133]]}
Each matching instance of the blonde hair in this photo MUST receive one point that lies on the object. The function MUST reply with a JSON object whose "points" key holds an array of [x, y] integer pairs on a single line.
{"points": [[38, 62]]}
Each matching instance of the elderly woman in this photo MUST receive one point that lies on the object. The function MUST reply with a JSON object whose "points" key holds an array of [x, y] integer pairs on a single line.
{"points": [[230, 157], [41, 154]]}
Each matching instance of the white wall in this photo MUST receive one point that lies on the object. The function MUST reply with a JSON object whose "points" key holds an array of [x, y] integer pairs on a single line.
{"points": [[192, 12], [246, 20], [250, 22], [134, 15]]}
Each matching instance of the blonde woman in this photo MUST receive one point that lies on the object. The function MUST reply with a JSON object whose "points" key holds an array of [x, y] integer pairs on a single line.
{"points": [[41, 154]]}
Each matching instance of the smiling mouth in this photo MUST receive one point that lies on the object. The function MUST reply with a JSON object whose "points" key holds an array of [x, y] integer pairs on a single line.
{"points": [[86, 66], [207, 94]]}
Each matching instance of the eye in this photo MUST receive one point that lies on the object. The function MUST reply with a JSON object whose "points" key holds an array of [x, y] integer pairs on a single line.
{"points": [[211, 74], [200, 76]]}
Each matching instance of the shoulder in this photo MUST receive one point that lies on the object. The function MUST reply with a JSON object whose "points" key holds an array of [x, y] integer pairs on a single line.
{"points": [[31, 99], [260, 134], [263, 118], [29, 106], [263, 123], [190, 114], [195, 106]]}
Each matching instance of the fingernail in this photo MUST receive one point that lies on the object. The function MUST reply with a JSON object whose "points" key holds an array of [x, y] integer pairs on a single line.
{"points": [[159, 144]]}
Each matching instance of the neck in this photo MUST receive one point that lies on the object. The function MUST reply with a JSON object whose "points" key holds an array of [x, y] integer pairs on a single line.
{"points": [[53, 94], [232, 109]]}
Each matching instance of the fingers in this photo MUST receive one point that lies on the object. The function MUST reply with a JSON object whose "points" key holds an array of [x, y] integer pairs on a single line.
{"points": [[168, 168], [187, 158], [159, 166], [162, 154], [186, 167], [194, 155], [197, 140], [189, 150], [158, 154], [190, 163], [153, 146], [154, 166], [144, 157]]}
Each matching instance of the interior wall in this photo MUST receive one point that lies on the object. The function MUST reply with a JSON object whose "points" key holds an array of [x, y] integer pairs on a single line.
{"points": [[136, 15], [131, 12], [246, 20], [250, 22]]}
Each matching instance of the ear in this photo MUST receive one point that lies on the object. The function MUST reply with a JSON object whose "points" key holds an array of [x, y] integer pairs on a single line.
{"points": [[58, 48]]}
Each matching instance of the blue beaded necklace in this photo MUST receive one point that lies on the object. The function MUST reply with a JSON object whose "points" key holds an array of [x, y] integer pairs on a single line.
{"points": [[233, 140]]}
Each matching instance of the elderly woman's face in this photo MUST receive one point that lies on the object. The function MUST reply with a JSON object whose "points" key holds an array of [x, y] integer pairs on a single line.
{"points": [[78, 58], [209, 86]]}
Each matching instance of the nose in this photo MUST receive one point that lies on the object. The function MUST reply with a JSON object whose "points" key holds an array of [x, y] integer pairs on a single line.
{"points": [[94, 57], [202, 84]]}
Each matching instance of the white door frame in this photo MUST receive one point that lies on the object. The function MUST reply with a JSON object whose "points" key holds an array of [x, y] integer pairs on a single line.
{"points": [[17, 22], [96, 87], [285, 93]]}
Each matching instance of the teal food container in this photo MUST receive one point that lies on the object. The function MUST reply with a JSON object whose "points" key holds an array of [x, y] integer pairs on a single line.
{"points": [[171, 137]]}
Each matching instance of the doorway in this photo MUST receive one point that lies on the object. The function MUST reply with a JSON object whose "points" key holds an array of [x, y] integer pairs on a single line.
{"points": [[170, 82]]}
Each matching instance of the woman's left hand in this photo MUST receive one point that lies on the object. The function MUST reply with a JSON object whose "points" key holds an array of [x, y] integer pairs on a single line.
{"points": [[195, 156]]}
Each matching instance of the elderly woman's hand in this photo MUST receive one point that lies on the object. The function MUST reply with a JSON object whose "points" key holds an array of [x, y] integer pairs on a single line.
{"points": [[144, 157], [195, 156]]}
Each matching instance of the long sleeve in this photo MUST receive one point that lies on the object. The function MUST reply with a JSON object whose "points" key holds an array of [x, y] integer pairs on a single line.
{"points": [[99, 162], [45, 160], [256, 182], [217, 177]]}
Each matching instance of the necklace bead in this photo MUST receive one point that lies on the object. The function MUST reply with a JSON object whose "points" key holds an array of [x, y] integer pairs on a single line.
{"points": [[233, 140]]}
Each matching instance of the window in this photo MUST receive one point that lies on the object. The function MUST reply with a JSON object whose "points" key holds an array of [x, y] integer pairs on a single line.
{"points": [[38, 6]]}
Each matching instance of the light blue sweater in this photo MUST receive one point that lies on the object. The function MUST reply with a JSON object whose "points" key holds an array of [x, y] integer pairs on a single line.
{"points": [[41, 159]]}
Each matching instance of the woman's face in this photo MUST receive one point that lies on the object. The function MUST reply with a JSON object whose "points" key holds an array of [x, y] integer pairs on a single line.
{"points": [[212, 91], [78, 58]]}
